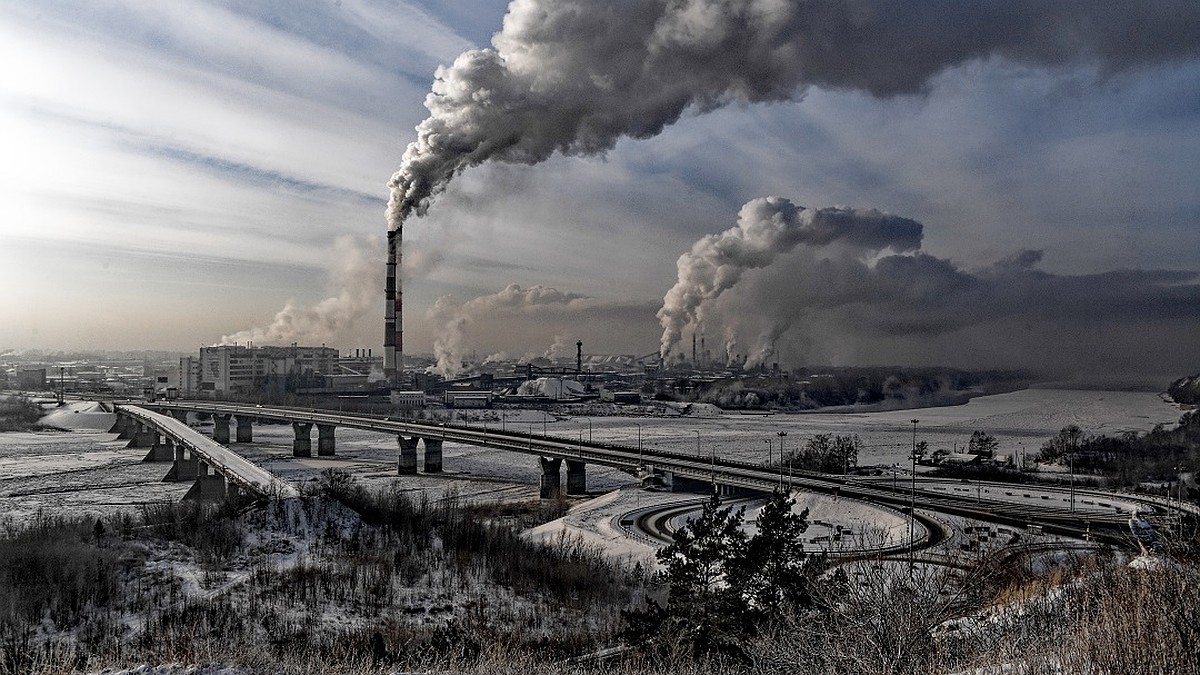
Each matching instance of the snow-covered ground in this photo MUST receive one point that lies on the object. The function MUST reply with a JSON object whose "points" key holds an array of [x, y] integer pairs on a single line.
{"points": [[87, 471]]}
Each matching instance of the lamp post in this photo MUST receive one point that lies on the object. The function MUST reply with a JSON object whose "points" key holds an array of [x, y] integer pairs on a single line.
{"points": [[639, 427], [782, 435], [1072, 482], [712, 466], [912, 496]]}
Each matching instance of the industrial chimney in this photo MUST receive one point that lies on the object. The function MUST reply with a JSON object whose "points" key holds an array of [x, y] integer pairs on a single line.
{"points": [[393, 336], [579, 356]]}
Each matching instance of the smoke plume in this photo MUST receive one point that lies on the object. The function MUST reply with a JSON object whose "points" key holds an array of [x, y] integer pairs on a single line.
{"points": [[767, 228], [827, 301], [575, 76], [356, 285], [453, 320]]}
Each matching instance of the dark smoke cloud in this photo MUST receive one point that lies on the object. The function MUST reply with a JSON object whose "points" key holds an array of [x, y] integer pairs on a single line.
{"points": [[828, 306], [575, 76], [766, 229]]}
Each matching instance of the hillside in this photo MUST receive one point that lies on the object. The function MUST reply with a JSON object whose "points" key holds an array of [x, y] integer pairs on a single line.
{"points": [[1186, 390]]}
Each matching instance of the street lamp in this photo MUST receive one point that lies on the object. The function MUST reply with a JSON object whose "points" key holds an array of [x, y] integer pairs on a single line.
{"points": [[912, 496], [712, 467], [782, 435], [1073, 483], [639, 427]]}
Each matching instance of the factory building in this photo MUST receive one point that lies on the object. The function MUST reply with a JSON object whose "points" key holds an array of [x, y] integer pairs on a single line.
{"points": [[233, 369]]}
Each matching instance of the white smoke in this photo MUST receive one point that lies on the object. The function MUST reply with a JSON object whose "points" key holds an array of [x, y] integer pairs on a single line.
{"points": [[559, 349], [833, 305], [356, 283], [452, 321], [767, 228], [574, 76]]}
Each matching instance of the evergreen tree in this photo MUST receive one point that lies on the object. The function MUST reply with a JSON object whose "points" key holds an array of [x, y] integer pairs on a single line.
{"points": [[775, 573], [704, 611], [702, 606]]}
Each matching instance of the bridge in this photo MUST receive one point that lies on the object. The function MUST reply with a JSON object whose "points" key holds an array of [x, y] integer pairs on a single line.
{"points": [[674, 470], [216, 471]]}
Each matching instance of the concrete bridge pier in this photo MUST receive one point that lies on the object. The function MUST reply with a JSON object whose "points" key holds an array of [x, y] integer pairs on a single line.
{"points": [[302, 445], [576, 477], [208, 486], [325, 443], [245, 429], [221, 428], [161, 452], [144, 436], [184, 468], [433, 455], [551, 477], [121, 427], [408, 456]]}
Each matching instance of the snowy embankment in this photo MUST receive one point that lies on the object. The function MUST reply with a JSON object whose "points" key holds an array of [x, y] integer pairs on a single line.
{"points": [[80, 416]]}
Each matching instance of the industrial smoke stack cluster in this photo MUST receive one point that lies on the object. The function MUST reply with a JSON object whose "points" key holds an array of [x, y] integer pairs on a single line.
{"points": [[393, 337]]}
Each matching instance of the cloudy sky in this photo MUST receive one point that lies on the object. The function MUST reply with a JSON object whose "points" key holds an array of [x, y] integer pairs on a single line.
{"points": [[180, 173]]}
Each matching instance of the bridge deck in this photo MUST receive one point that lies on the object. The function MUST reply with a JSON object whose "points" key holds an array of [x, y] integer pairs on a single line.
{"points": [[235, 467], [1056, 520]]}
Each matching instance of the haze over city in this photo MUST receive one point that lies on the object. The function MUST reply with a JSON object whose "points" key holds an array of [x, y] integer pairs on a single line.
{"points": [[193, 173], [611, 337]]}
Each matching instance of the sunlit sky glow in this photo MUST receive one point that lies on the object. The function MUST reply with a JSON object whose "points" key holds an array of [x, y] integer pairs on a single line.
{"points": [[176, 172]]}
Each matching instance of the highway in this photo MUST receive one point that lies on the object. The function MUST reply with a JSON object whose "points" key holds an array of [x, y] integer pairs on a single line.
{"points": [[1102, 524]]}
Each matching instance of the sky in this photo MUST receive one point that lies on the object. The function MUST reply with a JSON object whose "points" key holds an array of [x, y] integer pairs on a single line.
{"points": [[188, 173]]}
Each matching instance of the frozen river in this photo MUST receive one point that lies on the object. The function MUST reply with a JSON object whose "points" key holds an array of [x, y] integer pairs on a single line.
{"points": [[1020, 421], [88, 471]]}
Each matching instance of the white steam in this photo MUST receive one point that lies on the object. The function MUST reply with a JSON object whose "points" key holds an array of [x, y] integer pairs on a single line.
{"points": [[767, 228], [356, 283], [452, 321], [574, 76]]}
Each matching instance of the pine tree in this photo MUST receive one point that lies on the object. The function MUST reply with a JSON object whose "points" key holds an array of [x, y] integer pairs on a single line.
{"points": [[704, 612], [775, 573], [703, 607]]}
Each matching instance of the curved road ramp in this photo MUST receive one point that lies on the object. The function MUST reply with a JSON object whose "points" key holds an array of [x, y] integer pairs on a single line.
{"points": [[217, 471]]}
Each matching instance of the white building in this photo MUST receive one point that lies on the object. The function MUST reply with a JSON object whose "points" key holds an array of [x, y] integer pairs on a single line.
{"points": [[234, 369]]}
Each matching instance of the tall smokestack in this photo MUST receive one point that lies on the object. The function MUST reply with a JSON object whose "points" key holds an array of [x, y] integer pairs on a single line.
{"points": [[393, 336], [579, 356]]}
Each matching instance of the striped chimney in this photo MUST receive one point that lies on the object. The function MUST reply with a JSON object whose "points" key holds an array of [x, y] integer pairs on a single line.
{"points": [[393, 340]]}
